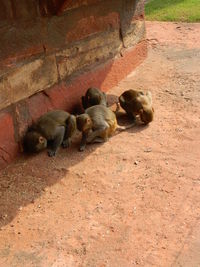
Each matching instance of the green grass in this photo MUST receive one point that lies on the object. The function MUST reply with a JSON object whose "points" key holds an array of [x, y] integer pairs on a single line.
{"points": [[173, 10]]}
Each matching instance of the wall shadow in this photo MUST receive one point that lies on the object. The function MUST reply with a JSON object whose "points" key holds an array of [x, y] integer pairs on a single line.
{"points": [[24, 181]]}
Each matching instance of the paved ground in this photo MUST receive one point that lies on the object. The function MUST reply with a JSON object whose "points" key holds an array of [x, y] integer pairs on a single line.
{"points": [[133, 201]]}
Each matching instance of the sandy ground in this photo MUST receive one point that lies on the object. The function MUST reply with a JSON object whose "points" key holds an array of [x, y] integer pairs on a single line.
{"points": [[133, 201]]}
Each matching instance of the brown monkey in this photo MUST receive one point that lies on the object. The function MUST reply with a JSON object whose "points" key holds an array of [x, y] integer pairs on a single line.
{"points": [[51, 130], [138, 103], [94, 96], [97, 124]]}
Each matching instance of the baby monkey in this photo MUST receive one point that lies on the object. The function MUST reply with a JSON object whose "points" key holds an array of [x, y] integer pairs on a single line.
{"points": [[138, 103], [51, 130], [93, 97], [97, 124]]}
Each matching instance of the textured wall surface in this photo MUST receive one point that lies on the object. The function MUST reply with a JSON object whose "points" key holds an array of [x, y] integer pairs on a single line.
{"points": [[51, 51]]}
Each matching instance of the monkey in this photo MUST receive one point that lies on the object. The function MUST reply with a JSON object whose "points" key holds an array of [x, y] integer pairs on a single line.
{"points": [[137, 103], [97, 124], [50, 131], [94, 96]]}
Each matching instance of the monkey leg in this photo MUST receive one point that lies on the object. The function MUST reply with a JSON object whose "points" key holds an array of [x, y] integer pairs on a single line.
{"points": [[99, 133], [57, 141], [69, 131], [83, 141], [66, 139], [66, 143]]}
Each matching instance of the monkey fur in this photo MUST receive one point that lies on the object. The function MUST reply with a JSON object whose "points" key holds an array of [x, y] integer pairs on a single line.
{"points": [[97, 124], [138, 103], [51, 130], [94, 96]]}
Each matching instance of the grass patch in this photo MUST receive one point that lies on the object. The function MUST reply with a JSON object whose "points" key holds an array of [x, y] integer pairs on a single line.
{"points": [[173, 10]]}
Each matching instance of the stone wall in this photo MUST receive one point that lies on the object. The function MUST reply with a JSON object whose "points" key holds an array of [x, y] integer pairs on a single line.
{"points": [[51, 51]]}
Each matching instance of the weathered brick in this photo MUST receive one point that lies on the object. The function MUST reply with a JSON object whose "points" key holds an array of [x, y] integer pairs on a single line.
{"points": [[56, 7], [71, 4], [8, 146], [132, 10], [38, 104], [134, 34], [95, 41], [88, 52], [21, 40], [62, 96], [21, 118], [139, 9], [70, 28], [93, 24], [27, 80]]}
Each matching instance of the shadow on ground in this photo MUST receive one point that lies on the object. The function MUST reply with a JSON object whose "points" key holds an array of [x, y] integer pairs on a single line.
{"points": [[28, 178]]}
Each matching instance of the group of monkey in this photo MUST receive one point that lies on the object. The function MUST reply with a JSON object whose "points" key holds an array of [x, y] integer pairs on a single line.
{"points": [[97, 123]]}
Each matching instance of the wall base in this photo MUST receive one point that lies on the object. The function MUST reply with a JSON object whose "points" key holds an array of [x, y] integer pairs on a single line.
{"points": [[65, 95]]}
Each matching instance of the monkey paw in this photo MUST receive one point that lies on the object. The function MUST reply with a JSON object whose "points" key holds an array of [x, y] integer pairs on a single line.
{"points": [[81, 148], [51, 153], [65, 143]]}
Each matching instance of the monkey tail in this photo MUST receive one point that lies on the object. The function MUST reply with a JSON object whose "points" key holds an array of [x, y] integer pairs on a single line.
{"points": [[123, 128]]}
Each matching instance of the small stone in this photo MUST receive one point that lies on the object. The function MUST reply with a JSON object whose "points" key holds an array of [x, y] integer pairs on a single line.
{"points": [[4, 216], [136, 162], [148, 150]]}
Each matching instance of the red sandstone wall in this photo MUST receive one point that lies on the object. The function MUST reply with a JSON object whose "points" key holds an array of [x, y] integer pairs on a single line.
{"points": [[51, 51]]}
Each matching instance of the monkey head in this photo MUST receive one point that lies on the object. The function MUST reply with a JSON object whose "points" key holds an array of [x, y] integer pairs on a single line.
{"points": [[34, 142], [84, 122], [146, 114], [94, 100]]}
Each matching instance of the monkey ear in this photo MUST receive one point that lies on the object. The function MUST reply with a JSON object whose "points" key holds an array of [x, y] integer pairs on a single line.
{"points": [[41, 139], [152, 109], [87, 120]]}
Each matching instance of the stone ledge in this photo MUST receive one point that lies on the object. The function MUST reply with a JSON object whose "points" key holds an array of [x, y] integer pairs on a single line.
{"points": [[27, 80]]}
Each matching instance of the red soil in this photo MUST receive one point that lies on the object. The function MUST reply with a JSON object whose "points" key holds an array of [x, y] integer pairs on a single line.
{"points": [[133, 201]]}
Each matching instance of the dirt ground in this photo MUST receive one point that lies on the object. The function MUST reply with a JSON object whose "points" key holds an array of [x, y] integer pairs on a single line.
{"points": [[133, 201]]}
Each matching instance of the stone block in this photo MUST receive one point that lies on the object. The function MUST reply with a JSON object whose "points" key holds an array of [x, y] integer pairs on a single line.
{"points": [[70, 28], [8, 146], [71, 4], [27, 80], [20, 41], [21, 118], [134, 34], [38, 104], [93, 24], [88, 52]]}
